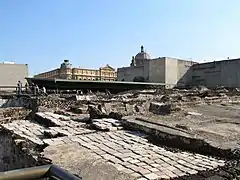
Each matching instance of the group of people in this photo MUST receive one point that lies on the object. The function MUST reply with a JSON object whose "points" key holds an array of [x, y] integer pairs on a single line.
{"points": [[34, 89], [31, 89]]}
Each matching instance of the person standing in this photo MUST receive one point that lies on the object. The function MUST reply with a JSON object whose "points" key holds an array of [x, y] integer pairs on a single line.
{"points": [[37, 89], [26, 87], [19, 88], [34, 89], [44, 91]]}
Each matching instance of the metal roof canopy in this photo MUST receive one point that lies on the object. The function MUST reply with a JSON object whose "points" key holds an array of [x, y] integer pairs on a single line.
{"points": [[63, 84]]}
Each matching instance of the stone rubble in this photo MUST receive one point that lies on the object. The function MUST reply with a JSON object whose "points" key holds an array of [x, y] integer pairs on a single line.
{"points": [[128, 151], [98, 123], [9, 114], [107, 124], [162, 108]]}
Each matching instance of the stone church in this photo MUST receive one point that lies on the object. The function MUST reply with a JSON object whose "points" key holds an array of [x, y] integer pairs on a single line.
{"points": [[171, 71]]}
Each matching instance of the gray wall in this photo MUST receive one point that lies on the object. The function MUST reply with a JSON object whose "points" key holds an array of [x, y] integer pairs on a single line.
{"points": [[178, 72], [184, 73], [10, 74], [146, 70], [223, 73], [167, 70], [171, 73], [128, 73], [157, 71]]}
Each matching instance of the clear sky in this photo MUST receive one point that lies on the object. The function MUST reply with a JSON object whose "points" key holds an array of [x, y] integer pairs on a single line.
{"points": [[92, 33]]}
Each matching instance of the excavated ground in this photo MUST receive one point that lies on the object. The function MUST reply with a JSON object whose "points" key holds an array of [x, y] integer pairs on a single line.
{"points": [[217, 124], [150, 134]]}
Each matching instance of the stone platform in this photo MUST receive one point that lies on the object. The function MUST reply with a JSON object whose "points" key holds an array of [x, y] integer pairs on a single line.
{"points": [[119, 154]]}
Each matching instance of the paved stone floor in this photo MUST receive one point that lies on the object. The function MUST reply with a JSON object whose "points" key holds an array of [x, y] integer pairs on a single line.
{"points": [[132, 154], [128, 151]]}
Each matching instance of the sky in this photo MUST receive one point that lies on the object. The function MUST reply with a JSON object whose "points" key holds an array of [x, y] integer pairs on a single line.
{"points": [[93, 33]]}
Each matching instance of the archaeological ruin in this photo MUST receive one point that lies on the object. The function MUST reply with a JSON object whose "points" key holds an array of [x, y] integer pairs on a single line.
{"points": [[138, 134]]}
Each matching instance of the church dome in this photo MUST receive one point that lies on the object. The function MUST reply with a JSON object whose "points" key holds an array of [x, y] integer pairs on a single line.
{"points": [[66, 65], [142, 55]]}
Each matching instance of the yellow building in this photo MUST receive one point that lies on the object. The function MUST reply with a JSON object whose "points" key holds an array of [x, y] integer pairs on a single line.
{"points": [[106, 73]]}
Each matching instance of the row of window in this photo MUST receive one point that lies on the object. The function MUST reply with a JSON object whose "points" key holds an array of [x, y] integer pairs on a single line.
{"points": [[108, 74], [111, 74], [86, 72], [48, 74], [96, 79], [55, 73], [93, 78]]}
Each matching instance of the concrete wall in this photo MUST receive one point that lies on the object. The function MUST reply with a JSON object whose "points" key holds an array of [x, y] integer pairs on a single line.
{"points": [[184, 73], [171, 73], [128, 73], [146, 70], [157, 70], [178, 72], [222, 73], [10, 74]]}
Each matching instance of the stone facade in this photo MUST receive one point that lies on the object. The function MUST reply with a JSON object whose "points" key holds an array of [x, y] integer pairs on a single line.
{"points": [[170, 71], [106, 73]]}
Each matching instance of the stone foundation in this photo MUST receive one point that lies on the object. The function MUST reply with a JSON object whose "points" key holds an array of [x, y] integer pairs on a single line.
{"points": [[12, 155]]}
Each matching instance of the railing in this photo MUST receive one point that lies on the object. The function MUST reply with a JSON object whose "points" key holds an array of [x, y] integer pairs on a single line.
{"points": [[38, 172]]}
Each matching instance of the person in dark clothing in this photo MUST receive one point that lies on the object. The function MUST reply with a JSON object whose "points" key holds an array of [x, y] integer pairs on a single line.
{"points": [[26, 88], [19, 88]]}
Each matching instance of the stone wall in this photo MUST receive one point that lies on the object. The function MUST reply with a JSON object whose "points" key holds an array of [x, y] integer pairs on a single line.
{"points": [[222, 73], [26, 102], [12, 156], [9, 114]]}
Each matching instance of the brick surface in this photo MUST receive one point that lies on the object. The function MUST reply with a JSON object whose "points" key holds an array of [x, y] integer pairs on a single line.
{"points": [[151, 176], [127, 151]]}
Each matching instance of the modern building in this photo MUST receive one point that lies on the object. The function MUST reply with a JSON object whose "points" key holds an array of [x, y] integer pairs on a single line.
{"points": [[181, 73], [106, 73], [217, 73], [170, 71], [11, 73]]}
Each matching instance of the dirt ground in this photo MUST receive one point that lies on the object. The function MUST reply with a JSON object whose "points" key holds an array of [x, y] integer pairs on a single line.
{"points": [[219, 124]]}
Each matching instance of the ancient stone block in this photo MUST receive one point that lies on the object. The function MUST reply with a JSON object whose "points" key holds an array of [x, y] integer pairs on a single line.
{"points": [[160, 108]]}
